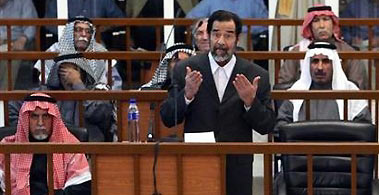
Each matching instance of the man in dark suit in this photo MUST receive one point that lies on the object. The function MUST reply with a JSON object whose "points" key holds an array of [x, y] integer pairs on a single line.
{"points": [[221, 92]]}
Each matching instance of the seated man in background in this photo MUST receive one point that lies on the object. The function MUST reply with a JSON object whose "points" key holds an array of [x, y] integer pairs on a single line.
{"points": [[79, 36], [321, 24], [40, 121], [72, 72], [358, 35], [245, 9], [321, 70], [22, 39], [162, 76], [200, 35]]}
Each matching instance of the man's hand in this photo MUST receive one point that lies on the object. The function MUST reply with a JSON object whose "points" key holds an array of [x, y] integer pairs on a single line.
{"points": [[193, 82], [245, 89], [70, 74], [19, 44]]}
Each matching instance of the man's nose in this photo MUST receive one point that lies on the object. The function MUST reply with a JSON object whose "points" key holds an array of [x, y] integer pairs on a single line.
{"points": [[40, 120], [319, 65], [321, 24], [221, 40], [83, 33], [205, 36]]}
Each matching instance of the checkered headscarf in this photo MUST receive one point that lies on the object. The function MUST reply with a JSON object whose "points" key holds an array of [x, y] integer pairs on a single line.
{"points": [[21, 163], [66, 44], [161, 72], [319, 10], [75, 58]]}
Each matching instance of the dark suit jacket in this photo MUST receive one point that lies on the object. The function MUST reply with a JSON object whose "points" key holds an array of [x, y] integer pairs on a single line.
{"points": [[228, 119]]}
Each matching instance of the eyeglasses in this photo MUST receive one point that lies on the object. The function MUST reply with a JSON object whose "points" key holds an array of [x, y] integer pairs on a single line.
{"points": [[80, 29]]}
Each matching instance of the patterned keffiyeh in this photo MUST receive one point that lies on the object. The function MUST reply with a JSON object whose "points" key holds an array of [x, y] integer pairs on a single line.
{"points": [[74, 58], [66, 44], [319, 10], [69, 169], [161, 73]]}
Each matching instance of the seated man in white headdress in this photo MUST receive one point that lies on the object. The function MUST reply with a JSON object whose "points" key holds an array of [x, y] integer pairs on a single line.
{"points": [[322, 70]]}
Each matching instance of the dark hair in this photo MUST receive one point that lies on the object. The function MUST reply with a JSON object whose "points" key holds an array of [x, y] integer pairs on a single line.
{"points": [[224, 16]]}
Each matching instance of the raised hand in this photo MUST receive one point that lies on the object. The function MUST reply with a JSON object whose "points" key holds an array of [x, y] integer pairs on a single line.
{"points": [[193, 82], [245, 89], [70, 74]]}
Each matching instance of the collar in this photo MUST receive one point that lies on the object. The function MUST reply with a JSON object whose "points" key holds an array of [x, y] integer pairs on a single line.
{"points": [[228, 67]]}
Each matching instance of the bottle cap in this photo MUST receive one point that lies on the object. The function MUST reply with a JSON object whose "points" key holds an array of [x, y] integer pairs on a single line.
{"points": [[132, 100]]}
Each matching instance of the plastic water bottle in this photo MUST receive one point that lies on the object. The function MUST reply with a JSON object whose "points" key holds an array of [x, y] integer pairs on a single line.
{"points": [[133, 126]]}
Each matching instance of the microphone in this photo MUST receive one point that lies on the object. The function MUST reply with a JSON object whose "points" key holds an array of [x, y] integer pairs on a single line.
{"points": [[150, 130], [150, 134], [164, 46], [174, 86], [156, 153]]}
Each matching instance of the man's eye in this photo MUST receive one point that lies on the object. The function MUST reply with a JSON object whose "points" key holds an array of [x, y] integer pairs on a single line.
{"points": [[228, 36], [315, 61], [326, 61]]}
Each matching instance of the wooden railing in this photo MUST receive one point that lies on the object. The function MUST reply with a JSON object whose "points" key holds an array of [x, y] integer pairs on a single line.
{"points": [[276, 56], [159, 22], [126, 168], [144, 99], [121, 98]]}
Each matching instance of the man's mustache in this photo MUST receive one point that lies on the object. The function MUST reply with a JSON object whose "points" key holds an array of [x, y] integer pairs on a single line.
{"points": [[220, 48], [83, 39], [320, 73], [322, 32], [41, 129]]}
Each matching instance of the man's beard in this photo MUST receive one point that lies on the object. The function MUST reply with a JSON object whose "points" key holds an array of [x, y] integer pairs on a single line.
{"points": [[82, 39], [225, 58], [40, 134]]}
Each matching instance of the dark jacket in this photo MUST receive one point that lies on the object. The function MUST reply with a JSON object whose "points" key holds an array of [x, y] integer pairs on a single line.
{"points": [[229, 119]]}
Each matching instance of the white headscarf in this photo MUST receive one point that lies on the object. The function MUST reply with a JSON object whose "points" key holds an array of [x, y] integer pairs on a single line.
{"points": [[339, 82]]}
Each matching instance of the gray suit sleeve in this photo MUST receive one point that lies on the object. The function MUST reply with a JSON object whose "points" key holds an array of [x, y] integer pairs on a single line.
{"points": [[285, 115]]}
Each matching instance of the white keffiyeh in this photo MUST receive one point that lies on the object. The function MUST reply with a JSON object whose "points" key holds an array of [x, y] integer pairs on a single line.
{"points": [[339, 82]]}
